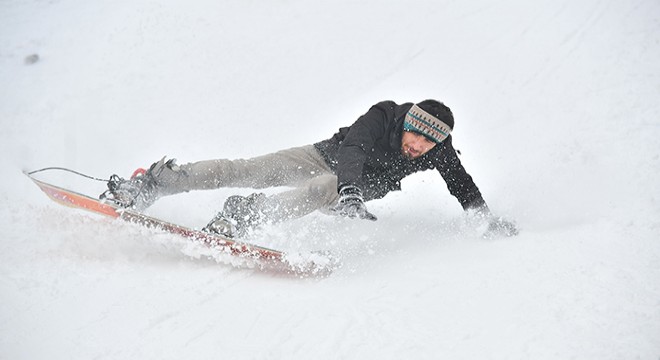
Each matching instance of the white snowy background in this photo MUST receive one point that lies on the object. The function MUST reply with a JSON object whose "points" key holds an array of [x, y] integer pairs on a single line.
{"points": [[557, 107]]}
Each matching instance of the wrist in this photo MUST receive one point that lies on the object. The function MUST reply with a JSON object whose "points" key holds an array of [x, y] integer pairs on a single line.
{"points": [[480, 211], [347, 190]]}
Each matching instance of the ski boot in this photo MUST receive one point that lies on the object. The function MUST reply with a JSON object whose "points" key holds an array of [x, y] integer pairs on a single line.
{"points": [[240, 214], [143, 188]]}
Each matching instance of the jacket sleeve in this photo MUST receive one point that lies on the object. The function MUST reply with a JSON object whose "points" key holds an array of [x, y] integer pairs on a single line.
{"points": [[359, 140], [459, 182]]}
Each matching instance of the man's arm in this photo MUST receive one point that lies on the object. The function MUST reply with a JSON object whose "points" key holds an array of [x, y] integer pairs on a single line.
{"points": [[352, 155], [459, 182], [359, 140]]}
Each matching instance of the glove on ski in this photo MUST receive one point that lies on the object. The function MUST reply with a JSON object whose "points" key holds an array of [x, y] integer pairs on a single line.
{"points": [[351, 204]]}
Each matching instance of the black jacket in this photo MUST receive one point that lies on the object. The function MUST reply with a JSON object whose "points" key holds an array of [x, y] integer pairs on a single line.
{"points": [[368, 154]]}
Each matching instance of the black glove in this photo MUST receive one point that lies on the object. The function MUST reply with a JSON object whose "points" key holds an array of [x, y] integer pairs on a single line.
{"points": [[501, 227], [497, 226], [351, 204]]}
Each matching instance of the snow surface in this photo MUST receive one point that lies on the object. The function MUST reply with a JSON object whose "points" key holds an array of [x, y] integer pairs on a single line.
{"points": [[557, 119]]}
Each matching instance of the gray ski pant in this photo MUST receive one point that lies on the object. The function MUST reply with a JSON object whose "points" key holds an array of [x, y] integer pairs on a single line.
{"points": [[314, 185]]}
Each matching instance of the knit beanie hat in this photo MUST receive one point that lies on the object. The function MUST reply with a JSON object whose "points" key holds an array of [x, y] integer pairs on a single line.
{"points": [[430, 118]]}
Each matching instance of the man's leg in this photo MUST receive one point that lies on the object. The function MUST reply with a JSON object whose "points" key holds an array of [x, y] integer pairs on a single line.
{"points": [[317, 193], [289, 167], [242, 213], [283, 168]]}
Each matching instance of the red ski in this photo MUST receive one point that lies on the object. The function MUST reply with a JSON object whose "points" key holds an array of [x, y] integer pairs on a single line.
{"points": [[314, 264]]}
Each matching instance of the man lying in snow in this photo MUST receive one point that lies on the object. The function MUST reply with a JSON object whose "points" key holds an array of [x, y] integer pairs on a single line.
{"points": [[361, 162]]}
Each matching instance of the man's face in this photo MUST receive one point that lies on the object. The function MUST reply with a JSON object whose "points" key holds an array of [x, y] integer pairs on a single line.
{"points": [[414, 145]]}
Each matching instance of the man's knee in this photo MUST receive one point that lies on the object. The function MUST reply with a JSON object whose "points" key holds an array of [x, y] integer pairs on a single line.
{"points": [[323, 188]]}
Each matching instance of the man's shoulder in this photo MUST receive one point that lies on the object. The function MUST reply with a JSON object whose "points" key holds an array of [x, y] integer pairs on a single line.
{"points": [[386, 104], [392, 105], [391, 109]]}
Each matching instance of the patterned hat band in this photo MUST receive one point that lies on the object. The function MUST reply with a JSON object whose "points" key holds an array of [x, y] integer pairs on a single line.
{"points": [[421, 122]]}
